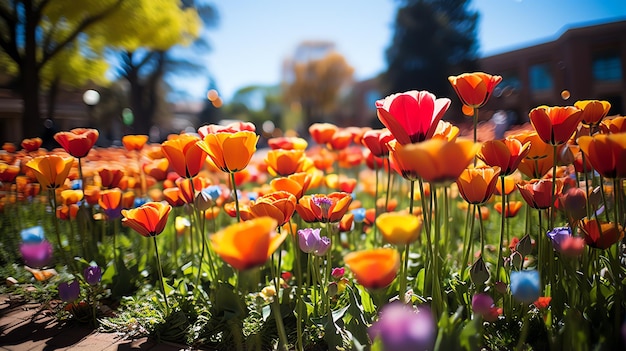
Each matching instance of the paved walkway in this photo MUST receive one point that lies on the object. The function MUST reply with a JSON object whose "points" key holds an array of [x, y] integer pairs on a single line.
{"points": [[25, 326]]}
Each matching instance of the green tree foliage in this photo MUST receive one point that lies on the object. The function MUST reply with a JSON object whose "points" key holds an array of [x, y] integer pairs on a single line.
{"points": [[314, 78], [433, 39]]}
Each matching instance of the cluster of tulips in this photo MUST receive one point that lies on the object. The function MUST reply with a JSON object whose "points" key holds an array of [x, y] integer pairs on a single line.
{"points": [[325, 230]]}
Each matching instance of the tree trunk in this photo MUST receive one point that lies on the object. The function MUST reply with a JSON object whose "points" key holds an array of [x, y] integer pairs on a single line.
{"points": [[32, 125]]}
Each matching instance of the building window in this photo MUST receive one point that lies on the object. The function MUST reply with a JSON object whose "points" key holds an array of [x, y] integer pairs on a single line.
{"points": [[540, 77], [607, 67], [510, 84]]}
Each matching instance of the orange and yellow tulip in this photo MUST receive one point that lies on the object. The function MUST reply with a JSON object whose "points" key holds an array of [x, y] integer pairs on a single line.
{"points": [[601, 235], [506, 154], [148, 219], [184, 155], [476, 185], [50, 170], [248, 244], [67, 212], [399, 228], [230, 152], [134, 142], [413, 116], [324, 208], [284, 162], [555, 125], [69, 196], [434, 160], [593, 111], [474, 89], [322, 133], [111, 202], [296, 184], [512, 208], [539, 159], [374, 268], [614, 125], [110, 178], [78, 141], [173, 196], [8, 172], [606, 153], [509, 185], [31, 144], [278, 205]]}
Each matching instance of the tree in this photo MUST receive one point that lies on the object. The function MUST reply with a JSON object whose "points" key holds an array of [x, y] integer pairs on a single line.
{"points": [[313, 79], [433, 39], [33, 33]]}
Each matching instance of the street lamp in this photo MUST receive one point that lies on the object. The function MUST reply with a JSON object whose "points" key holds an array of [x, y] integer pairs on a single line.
{"points": [[91, 99]]}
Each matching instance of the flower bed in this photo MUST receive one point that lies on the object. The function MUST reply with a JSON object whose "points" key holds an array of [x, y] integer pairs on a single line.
{"points": [[405, 238]]}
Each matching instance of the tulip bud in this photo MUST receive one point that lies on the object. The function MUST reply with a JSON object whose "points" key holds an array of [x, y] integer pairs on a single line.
{"points": [[68, 292], [479, 272]]}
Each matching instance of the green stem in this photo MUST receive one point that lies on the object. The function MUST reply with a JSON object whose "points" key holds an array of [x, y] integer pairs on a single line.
{"points": [[156, 251], [404, 273], [234, 184], [502, 226]]}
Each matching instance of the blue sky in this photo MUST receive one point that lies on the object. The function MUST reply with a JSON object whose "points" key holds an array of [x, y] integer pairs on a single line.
{"points": [[253, 37]]}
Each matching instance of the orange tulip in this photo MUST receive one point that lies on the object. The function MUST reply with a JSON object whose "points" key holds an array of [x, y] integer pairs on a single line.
{"points": [[134, 142], [184, 155], [173, 197], [32, 144], [399, 228], [278, 205], [474, 89], [324, 208], [539, 159], [157, 168], [51, 170], [322, 133], [231, 152], [614, 125], [555, 125], [476, 185], [512, 208], [506, 154], [376, 141], [233, 127], [538, 193], [606, 153], [296, 184], [340, 140], [601, 235], [111, 202], [92, 194], [412, 116], [67, 212], [148, 219], [78, 141], [284, 162], [248, 244], [593, 111], [9, 147], [323, 159], [110, 178], [374, 268], [8, 173], [509, 185], [434, 160], [69, 197]]}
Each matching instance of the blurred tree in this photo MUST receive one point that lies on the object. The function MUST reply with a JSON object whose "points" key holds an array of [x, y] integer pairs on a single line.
{"points": [[433, 39], [39, 40], [313, 79]]}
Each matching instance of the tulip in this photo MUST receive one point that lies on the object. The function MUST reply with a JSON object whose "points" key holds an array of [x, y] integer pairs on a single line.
{"points": [[606, 153], [50, 170], [134, 142], [279, 205], [555, 125], [506, 154], [374, 268], [92, 274], [525, 285], [233, 127], [435, 160], [399, 228], [69, 292], [324, 208], [613, 125], [111, 202], [413, 116], [8, 173], [509, 184], [309, 239], [110, 178], [184, 155], [322, 133], [231, 152], [376, 141], [538, 193], [574, 202], [558, 235], [404, 328], [32, 144], [287, 143], [539, 159], [512, 208], [284, 162], [474, 89], [78, 141], [148, 219], [601, 235], [593, 111], [476, 185], [248, 244]]}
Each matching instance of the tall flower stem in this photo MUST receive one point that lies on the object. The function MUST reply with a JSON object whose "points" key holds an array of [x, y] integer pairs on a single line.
{"points": [[469, 232], [404, 273], [475, 121], [376, 199], [502, 227], [300, 288], [553, 192], [437, 298], [160, 269], [482, 231], [80, 175], [388, 170], [235, 195], [278, 317], [57, 229]]}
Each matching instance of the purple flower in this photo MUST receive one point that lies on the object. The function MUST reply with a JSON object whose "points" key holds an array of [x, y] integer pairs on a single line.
{"points": [[68, 292], [404, 328], [558, 236], [525, 285], [92, 275], [482, 303], [323, 246], [309, 239], [36, 255]]}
